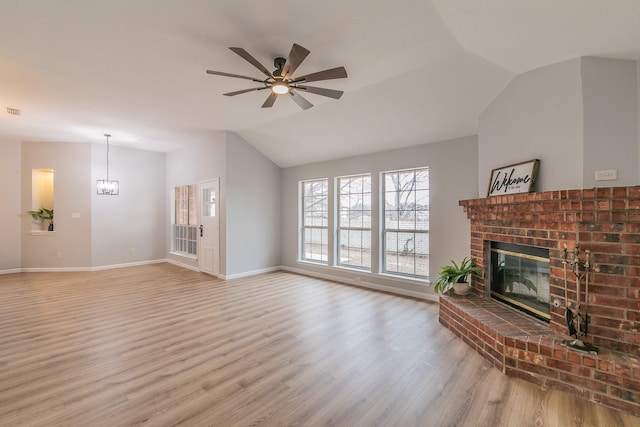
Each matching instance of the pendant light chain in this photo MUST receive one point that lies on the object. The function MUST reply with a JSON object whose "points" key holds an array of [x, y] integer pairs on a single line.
{"points": [[108, 136]]}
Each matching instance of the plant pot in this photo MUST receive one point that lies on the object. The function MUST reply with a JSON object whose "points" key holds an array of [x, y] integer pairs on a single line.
{"points": [[461, 288]]}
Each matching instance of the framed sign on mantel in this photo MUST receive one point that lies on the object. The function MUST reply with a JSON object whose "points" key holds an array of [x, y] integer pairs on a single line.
{"points": [[512, 179]]}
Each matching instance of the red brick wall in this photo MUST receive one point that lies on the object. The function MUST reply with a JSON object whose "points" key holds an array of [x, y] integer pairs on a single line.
{"points": [[605, 220]]}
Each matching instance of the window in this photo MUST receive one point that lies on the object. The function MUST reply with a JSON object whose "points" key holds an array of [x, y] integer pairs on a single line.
{"points": [[185, 228], [315, 220], [354, 221], [406, 222]]}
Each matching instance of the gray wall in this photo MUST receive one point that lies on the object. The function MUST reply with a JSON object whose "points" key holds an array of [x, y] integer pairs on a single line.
{"points": [[610, 120], [10, 208], [253, 208], [199, 161], [105, 228], [539, 115], [577, 117], [70, 244], [135, 220], [453, 177], [250, 208]]}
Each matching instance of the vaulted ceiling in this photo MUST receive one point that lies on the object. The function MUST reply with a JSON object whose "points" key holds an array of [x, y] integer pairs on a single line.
{"points": [[419, 71]]}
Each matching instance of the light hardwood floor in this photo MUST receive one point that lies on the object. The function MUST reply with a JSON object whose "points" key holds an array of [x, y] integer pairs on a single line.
{"points": [[159, 345]]}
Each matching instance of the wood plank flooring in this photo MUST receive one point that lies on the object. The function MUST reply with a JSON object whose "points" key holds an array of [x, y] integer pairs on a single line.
{"points": [[158, 345]]}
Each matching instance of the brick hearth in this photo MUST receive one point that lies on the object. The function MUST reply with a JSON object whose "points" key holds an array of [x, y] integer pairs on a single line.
{"points": [[607, 222], [525, 348]]}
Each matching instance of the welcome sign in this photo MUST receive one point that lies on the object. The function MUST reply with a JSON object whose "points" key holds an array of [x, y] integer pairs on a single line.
{"points": [[518, 178]]}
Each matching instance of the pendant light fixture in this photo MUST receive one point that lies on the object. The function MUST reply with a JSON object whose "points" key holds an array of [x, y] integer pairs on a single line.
{"points": [[107, 187]]}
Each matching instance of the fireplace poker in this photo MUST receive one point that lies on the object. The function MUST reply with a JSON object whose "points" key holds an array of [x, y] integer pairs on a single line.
{"points": [[577, 323], [568, 314]]}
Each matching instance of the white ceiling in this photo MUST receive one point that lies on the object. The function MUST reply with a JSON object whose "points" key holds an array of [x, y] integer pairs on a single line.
{"points": [[419, 71]]}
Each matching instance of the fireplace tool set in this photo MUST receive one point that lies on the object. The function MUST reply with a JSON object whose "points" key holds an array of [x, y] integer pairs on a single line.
{"points": [[577, 316]]}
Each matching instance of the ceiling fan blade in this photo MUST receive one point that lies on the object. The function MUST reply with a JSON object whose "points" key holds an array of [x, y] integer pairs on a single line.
{"points": [[253, 61], [331, 93], [333, 73], [296, 56], [238, 92], [270, 100], [300, 100], [238, 76]]}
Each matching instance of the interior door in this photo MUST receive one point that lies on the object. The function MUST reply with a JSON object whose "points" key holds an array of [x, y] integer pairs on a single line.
{"points": [[209, 260]]}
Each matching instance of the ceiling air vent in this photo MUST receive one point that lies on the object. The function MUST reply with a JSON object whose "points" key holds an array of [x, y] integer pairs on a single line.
{"points": [[13, 111]]}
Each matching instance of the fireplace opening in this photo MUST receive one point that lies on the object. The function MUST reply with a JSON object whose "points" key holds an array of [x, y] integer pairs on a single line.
{"points": [[520, 278]]}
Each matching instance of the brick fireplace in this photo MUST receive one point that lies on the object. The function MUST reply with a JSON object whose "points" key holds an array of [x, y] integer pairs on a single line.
{"points": [[606, 221]]}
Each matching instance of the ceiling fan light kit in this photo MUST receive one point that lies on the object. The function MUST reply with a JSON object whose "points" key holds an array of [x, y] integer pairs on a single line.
{"points": [[280, 88], [282, 82]]}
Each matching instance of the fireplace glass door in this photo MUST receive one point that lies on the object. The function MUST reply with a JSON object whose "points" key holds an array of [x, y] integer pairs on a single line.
{"points": [[520, 278]]}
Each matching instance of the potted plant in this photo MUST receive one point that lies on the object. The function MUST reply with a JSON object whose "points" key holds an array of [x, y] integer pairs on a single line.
{"points": [[44, 215], [455, 276]]}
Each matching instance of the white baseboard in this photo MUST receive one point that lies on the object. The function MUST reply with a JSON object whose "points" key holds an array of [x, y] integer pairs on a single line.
{"points": [[364, 284], [224, 276], [250, 273], [73, 269], [128, 264], [54, 269]]}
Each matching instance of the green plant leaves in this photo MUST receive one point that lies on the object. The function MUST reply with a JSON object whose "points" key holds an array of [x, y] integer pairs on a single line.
{"points": [[455, 273]]}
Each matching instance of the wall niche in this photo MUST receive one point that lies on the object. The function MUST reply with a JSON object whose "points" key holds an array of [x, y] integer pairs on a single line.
{"points": [[42, 198]]}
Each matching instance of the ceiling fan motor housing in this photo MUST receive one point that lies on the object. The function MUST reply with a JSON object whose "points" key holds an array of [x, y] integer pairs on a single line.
{"points": [[279, 64]]}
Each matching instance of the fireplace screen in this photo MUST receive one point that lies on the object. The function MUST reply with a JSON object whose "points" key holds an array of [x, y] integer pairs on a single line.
{"points": [[520, 277]]}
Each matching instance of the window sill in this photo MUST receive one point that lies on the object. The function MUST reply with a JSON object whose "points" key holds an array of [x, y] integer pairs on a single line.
{"points": [[406, 279], [317, 263], [42, 233], [183, 255], [367, 273]]}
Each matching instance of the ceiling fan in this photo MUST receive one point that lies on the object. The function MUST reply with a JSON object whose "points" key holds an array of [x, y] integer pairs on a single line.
{"points": [[281, 80]]}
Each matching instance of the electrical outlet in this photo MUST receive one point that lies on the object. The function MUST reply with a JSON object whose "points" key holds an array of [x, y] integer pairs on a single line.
{"points": [[59, 255], [607, 175], [131, 251]]}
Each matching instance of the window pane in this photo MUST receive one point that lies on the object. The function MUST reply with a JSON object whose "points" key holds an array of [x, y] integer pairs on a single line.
{"points": [[192, 197], [316, 244], [366, 219], [315, 219], [422, 254], [181, 205], [390, 200], [186, 218], [422, 179], [406, 209], [355, 219], [354, 234], [209, 202], [407, 220], [391, 252], [391, 219], [422, 199]]}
